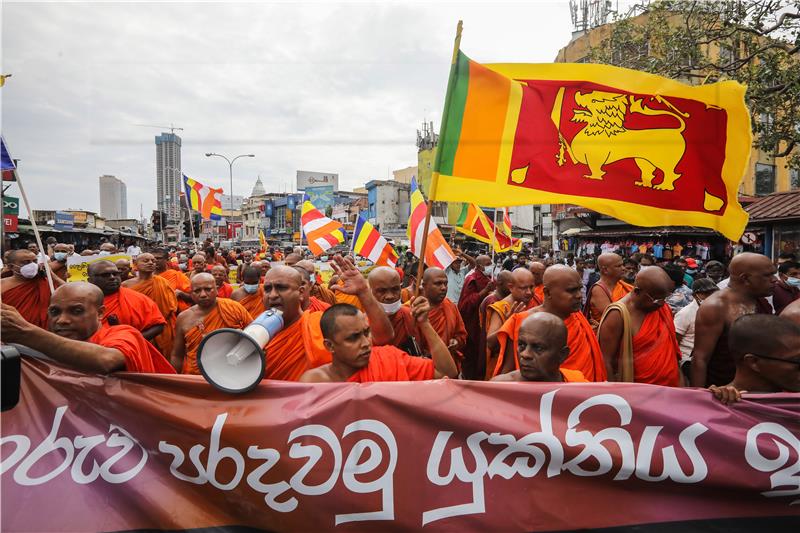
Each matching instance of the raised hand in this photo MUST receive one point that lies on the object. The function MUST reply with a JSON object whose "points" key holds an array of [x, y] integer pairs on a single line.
{"points": [[420, 308], [351, 281], [518, 307]]}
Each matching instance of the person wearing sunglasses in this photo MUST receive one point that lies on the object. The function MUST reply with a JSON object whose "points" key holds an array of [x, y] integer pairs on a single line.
{"points": [[766, 350], [637, 335]]}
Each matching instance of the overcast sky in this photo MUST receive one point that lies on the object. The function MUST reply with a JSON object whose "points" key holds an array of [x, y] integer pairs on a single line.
{"points": [[332, 87]]}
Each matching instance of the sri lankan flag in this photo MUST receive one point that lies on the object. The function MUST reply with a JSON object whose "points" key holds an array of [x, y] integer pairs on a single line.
{"points": [[474, 222], [645, 149]]}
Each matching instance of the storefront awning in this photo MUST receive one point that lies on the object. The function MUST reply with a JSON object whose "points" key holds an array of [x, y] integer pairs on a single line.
{"points": [[775, 207]]}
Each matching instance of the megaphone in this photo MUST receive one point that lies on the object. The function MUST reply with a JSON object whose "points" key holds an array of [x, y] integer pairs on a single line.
{"points": [[233, 360]]}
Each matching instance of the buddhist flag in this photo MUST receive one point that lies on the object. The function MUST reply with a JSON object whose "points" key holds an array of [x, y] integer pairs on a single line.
{"points": [[645, 149], [321, 232], [437, 251], [262, 240], [202, 199], [369, 243]]}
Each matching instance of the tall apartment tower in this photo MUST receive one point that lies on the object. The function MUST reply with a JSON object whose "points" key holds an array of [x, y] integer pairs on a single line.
{"points": [[168, 175], [113, 198]]}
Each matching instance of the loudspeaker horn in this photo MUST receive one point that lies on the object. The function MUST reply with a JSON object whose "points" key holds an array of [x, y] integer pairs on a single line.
{"points": [[233, 360]]}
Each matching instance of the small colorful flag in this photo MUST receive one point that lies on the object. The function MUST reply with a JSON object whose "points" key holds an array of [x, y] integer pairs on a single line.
{"points": [[437, 252], [648, 150], [369, 243], [506, 227], [321, 232], [475, 223], [262, 240], [203, 199], [7, 164]]}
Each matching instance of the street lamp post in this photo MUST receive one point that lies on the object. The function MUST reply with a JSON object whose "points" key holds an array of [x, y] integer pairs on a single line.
{"points": [[230, 173]]}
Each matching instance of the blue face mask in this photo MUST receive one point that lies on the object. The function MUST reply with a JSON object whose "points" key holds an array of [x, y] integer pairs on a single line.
{"points": [[250, 289], [60, 256], [793, 282]]}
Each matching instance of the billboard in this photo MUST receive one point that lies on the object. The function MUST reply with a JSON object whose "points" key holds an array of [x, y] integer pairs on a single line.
{"points": [[65, 220], [10, 214], [321, 197], [306, 179]]}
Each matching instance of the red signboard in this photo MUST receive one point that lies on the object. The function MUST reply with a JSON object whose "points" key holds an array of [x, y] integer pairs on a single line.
{"points": [[10, 223], [141, 451]]}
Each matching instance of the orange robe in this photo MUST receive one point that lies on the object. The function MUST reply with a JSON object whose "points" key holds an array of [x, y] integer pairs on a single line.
{"points": [[584, 350], [296, 348], [447, 322], [502, 308], [538, 296], [225, 291], [31, 299], [324, 294], [620, 290], [403, 325], [132, 309], [405, 295], [140, 355], [572, 376], [315, 304], [342, 298], [226, 314], [160, 291], [655, 350], [387, 363], [178, 281], [254, 303]]}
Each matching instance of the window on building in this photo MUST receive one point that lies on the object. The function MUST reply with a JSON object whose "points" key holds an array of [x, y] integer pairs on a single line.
{"points": [[794, 178], [765, 179]]}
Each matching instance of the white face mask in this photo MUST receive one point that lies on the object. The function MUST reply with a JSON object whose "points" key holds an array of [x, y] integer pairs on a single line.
{"points": [[488, 270], [29, 271], [250, 289], [104, 252], [391, 308]]}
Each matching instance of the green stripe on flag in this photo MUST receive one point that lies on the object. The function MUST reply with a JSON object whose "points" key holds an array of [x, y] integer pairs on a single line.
{"points": [[448, 143]]}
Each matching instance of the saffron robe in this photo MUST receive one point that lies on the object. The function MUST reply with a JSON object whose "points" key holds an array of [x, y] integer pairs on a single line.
{"points": [[655, 350], [132, 309], [323, 293], [584, 350], [342, 298], [178, 281], [387, 363], [225, 291], [160, 291], [315, 304], [254, 303], [226, 314], [296, 348], [31, 299], [447, 322], [620, 290], [140, 355], [538, 296], [503, 308]]}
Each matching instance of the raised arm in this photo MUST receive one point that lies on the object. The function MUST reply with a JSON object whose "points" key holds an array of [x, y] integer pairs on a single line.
{"points": [[351, 281], [443, 362]]}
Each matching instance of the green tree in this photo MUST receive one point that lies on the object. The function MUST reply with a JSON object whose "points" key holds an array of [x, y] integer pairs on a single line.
{"points": [[755, 42]]}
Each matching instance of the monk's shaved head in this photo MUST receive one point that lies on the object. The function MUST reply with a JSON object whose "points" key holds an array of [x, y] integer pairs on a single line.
{"points": [[483, 261], [18, 256], [549, 326], [608, 259], [383, 274], [651, 287], [746, 262], [292, 259], [560, 274], [752, 274], [79, 289], [432, 273], [283, 290], [537, 269], [283, 271], [434, 285], [655, 278], [202, 277], [503, 281], [143, 256], [521, 276], [307, 265], [99, 266]]}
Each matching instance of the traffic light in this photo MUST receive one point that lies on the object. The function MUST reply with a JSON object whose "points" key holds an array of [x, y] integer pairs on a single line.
{"points": [[156, 221], [196, 221], [187, 229]]}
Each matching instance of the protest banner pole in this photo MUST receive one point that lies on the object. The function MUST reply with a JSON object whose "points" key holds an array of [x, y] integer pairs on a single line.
{"points": [[36, 232], [438, 160], [352, 239], [494, 236]]}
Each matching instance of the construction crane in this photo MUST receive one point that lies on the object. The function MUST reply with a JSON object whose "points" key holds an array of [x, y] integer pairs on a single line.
{"points": [[171, 127]]}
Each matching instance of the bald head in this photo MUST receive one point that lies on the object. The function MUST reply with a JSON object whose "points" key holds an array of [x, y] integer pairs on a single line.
{"points": [[307, 265], [548, 326], [292, 259], [651, 287], [383, 274], [560, 275], [79, 289], [747, 262], [386, 286], [562, 290], [503, 281], [75, 310], [542, 347], [537, 269], [483, 261], [434, 285], [752, 274], [201, 278], [283, 290], [522, 285], [610, 267]]}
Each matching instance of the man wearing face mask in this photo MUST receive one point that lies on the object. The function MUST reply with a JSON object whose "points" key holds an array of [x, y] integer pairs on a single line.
{"points": [[250, 294], [27, 289], [308, 302], [385, 284], [107, 248], [787, 289], [58, 266]]}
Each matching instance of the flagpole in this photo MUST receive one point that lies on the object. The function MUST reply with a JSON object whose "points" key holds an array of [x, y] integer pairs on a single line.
{"points": [[352, 240], [494, 235], [36, 232], [438, 160]]}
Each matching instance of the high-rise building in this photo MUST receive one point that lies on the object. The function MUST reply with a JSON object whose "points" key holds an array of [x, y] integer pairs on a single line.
{"points": [[168, 175], [113, 198]]}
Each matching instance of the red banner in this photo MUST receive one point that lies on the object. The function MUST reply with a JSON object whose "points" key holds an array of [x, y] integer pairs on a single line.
{"points": [[134, 451]]}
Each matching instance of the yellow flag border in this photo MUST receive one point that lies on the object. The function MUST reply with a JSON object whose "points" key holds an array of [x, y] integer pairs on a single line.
{"points": [[728, 95]]}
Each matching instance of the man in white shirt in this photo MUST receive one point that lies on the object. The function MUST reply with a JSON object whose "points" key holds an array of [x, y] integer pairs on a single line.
{"points": [[133, 250], [456, 273], [685, 317]]}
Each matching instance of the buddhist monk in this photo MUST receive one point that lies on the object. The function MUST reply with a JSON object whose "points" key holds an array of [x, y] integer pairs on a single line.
{"points": [[354, 359], [298, 346], [58, 266], [220, 275], [247, 260], [27, 289], [209, 313], [766, 350], [124, 267], [320, 297], [537, 269], [752, 279], [385, 284], [292, 259], [444, 315], [502, 289], [125, 306], [477, 286], [341, 297], [250, 294], [562, 298], [610, 288], [199, 265], [542, 351], [649, 352], [308, 302], [792, 312], [176, 279], [518, 300], [77, 338], [159, 290], [107, 248]]}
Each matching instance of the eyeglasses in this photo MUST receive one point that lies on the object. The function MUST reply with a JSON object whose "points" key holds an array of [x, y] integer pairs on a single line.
{"points": [[790, 361], [656, 301]]}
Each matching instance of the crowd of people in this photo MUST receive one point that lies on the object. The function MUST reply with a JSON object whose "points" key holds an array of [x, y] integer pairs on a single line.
{"points": [[663, 321]]}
